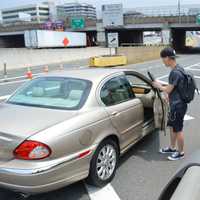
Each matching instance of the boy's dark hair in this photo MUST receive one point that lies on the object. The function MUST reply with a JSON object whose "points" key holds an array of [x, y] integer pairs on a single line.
{"points": [[168, 52]]}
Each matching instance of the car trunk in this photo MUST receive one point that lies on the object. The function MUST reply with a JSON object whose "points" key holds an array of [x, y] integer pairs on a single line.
{"points": [[20, 122]]}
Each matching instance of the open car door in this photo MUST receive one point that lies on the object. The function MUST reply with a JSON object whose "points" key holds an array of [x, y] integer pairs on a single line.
{"points": [[160, 108], [160, 104]]}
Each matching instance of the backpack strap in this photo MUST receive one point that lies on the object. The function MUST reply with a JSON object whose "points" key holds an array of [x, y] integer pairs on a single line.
{"points": [[182, 71]]}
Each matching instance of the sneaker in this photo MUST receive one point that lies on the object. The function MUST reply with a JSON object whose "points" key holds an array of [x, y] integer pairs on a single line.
{"points": [[167, 150], [176, 156]]}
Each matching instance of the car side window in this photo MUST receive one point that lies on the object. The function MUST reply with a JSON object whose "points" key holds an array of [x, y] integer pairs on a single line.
{"points": [[116, 91], [135, 81]]}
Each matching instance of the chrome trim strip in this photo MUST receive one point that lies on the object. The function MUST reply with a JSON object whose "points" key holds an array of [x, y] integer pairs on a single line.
{"points": [[52, 164], [126, 148], [148, 122], [5, 139], [132, 127]]}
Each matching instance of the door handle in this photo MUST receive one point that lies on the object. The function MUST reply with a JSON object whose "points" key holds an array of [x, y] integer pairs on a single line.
{"points": [[115, 113]]}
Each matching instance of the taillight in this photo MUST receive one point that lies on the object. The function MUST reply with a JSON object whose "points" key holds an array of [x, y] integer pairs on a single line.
{"points": [[32, 150]]}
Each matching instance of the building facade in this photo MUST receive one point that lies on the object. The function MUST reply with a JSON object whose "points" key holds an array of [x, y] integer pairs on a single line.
{"points": [[76, 10], [38, 13]]}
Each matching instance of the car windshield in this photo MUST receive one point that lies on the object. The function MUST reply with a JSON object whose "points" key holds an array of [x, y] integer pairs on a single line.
{"points": [[53, 92]]}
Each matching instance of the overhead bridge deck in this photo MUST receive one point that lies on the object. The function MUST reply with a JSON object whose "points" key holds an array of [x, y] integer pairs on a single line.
{"points": [[12, 39]]}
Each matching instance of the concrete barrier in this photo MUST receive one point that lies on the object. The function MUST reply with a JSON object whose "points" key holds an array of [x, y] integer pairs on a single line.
{"points": [[140, 53], [21, 57], [108, 61]]}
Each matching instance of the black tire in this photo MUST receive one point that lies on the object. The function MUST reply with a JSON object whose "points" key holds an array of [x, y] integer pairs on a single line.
{"points": [[93, 178]]}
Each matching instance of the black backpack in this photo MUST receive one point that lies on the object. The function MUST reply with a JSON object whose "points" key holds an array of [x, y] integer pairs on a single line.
{"points": [[187, 86]]}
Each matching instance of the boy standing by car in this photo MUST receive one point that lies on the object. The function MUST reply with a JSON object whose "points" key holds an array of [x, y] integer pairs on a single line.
{"points": [[178, 107]]}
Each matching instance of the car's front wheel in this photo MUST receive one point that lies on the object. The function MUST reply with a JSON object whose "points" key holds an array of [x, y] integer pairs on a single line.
{"points": [[104, 163]]}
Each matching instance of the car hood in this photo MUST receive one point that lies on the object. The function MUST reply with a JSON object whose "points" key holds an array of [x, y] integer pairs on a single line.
{"points": [[25, 121]]}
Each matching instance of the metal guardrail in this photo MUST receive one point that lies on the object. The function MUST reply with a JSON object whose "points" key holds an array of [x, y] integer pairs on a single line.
{"points": [[162, 14], [170, 10], [159, 19], [141, 45], [19, 27]]}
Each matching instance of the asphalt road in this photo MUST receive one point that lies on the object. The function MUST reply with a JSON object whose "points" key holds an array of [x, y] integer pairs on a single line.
{"points": [[143, 172]]}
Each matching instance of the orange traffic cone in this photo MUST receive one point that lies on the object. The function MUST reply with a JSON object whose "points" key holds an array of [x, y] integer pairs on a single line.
{"points": [[46, 69], [29, 73]]}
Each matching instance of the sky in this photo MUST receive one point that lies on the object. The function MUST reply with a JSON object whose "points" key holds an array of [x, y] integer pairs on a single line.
{"points": [[98, 3]]}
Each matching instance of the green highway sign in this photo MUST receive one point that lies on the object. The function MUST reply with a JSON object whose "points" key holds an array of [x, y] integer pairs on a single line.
{"points": [[77, 23], [198, 19]]}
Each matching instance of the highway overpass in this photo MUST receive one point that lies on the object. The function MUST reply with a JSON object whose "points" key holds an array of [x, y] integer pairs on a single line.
{"points": [[130, 33]]}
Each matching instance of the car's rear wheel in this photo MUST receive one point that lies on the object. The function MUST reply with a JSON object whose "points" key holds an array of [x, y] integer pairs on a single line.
{"points": [[104, 163]]}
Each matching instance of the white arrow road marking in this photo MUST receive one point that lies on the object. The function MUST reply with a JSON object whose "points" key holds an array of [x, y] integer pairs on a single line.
{"points": [[106, 192]]}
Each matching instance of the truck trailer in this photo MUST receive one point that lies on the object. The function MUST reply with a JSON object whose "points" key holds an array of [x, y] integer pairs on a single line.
{"points": [[53, 39]]}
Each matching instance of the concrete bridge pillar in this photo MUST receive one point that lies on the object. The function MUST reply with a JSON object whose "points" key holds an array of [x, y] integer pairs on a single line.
{"points": [[178, 39], [101, 34]]}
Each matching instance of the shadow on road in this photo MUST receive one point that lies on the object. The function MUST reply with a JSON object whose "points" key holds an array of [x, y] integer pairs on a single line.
{"points": [[69, 192], [147, 149]]}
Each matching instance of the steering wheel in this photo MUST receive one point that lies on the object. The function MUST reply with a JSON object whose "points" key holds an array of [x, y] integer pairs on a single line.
{"points": [[151, 76]]}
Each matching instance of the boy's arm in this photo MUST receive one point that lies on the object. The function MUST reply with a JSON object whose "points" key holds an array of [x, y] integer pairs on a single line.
{"points": [[167, 88]]}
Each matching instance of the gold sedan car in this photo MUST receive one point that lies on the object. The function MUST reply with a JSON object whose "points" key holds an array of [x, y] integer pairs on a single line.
{"points": [[68, 126]]}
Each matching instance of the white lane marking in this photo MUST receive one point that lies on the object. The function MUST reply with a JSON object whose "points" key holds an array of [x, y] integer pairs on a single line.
{"points": [[193, 69], [4, 97], [188, 67], [165, 76], [188, 117], [10, 83], [41, 73], [19, 77], [163, 82], [194, 65], [162, 77], [106, 192], [82, 67]]}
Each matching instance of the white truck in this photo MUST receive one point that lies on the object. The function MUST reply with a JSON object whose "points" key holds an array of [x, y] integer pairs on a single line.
{"points": [[51, 39]]}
